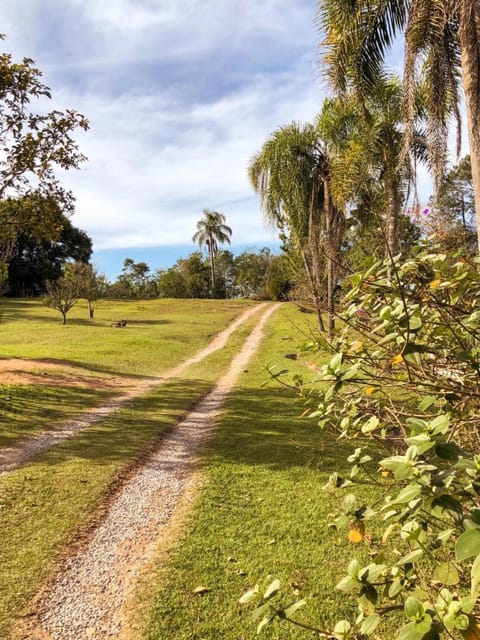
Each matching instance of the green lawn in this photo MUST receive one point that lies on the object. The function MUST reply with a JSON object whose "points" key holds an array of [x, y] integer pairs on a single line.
{"points": [[262, 511], [45, 503], [160, 334]]}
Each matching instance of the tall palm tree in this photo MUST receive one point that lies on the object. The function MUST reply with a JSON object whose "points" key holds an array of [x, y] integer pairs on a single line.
{"points": [[443, 34], [291, 175], [365, 144], [212, 230]]}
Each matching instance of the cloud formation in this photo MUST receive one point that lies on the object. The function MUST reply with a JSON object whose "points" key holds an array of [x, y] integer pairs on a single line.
{"points": [[179, 97]]}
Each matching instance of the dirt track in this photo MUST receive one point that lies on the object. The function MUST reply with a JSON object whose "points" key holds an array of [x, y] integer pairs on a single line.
{"points": [[13, 457], [87, 594]]}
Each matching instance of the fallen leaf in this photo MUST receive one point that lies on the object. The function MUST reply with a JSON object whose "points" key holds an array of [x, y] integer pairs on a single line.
{"points": [[198, 591]]}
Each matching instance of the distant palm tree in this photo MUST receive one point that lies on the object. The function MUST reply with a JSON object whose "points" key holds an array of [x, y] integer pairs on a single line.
{"points": [[212, 230]]}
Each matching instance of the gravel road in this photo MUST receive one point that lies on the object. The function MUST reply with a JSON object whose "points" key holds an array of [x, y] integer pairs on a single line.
{"points": [[85, 597]]}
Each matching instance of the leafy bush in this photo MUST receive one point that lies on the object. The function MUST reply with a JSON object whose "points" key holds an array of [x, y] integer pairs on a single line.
{"points": [[403, 383]]}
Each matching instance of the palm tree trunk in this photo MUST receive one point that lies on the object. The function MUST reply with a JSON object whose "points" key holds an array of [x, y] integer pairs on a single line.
{"points": [[212, 269], [393, 213], [470, 51], [315, 290]]}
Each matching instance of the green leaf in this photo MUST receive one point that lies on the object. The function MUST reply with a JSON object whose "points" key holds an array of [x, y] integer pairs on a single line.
{"points": [[250, 595], [272, 589], [410, 557], [370, 624], [447, 574], [290, 610], [346, 584], [423, 442], [414, 609], [426, 403], [468, 603], [264, 622], [349, 503], [410, 632], [475, 576], [407, 494], [261, 610], [395, 588], [468, 545], [440, 424], [417, 425], [341, 629], [370, 425], [448, 451], [335, 362]]}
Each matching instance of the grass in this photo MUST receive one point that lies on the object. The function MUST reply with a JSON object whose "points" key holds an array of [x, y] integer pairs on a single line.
{"points": [[46, 503], [160, 334], [262, 511]]}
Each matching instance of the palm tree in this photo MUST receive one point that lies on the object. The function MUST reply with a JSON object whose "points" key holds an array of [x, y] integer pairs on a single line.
{"points": [[291, 175], [212, 230], [365, 144], [443, 34]]}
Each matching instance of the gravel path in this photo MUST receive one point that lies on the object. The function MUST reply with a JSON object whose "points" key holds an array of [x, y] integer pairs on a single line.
{"points": [[85, 597], [13, 457]]}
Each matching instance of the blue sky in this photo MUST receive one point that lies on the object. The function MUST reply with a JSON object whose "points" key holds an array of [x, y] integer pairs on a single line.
{"points": [[179, 95]]}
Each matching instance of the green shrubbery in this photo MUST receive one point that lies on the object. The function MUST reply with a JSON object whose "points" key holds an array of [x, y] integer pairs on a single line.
{"points": [[403, 384]]}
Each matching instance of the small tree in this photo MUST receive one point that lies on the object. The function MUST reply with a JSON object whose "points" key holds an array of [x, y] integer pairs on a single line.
{"points": [[62, 295], [85, 278]]}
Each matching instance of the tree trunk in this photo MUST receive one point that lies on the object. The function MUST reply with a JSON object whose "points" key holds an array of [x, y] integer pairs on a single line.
{"points": [[64, 316], [91, 310], [470, 51], [393, 214], [212, 269], [315, 292]]}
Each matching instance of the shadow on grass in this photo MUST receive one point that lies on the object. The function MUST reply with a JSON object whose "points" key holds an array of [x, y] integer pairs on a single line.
{"points": [[29, 409], [260, 427]]}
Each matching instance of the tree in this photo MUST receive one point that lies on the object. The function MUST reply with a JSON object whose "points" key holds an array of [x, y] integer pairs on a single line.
{"points": [[33, 145], [88, 282], [135, 278], [212, 230], [450, 219], [368, 166], [188, 278], [62, 295], [38, 259], [443, 35], [291, 173]]}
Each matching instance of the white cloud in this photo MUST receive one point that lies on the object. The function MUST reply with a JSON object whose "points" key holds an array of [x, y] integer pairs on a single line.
{"points": [[179, 95]]}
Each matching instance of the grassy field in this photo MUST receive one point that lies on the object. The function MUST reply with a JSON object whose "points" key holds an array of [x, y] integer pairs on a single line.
{"points": [[47, 502], [160, 334], [262, 511]]}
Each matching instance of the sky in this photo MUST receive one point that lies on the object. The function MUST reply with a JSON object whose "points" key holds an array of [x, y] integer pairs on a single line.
{"points": [[179, 96]]}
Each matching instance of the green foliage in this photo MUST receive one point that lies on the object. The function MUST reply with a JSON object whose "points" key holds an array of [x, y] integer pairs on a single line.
{"points": [[259, 275], [450, 222], [402, 383], [34, 146], [39, 255], [135, 281]]}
